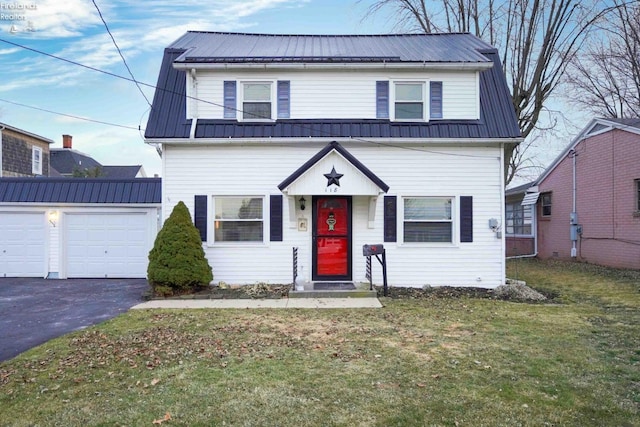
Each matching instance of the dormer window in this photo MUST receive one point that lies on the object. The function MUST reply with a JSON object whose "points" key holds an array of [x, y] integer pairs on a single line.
{"points": [[409, 101], [257, 99]]}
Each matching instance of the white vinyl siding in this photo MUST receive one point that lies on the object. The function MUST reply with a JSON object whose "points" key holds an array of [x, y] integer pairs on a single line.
{"points": [[231, 170], [335, 94]]}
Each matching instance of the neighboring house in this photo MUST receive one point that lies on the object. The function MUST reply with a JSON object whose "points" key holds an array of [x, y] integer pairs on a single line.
{"points": [[68, 162], [72, 228], [587, 202], [326, 143], [23, 153], [520, 220]]}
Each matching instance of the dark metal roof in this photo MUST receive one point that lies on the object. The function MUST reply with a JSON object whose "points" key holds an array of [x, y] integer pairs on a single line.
{"points": [[344, 153], [206, 47], [80, 190], [65, 160], [497, 117], [120, 172]]}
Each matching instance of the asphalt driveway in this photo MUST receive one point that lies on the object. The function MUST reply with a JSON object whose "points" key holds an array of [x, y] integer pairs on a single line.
{"points": [[33, 311]]}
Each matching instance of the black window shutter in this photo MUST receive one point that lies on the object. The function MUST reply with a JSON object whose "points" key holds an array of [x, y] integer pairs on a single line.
{"points": [[390, 218], [382, 99], [284, 99], [275, 213], [200, 216], [466, 219], [229, 99], [435, 95]]}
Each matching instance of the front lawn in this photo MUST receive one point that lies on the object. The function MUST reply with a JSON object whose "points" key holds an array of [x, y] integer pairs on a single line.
{"points": [[451, 361]]}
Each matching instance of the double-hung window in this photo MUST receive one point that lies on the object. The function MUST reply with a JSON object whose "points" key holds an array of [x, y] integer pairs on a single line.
{"points": [[238, 219], [428, 219], [546, 204], [257, 100], [36, 160], [409, 100]]}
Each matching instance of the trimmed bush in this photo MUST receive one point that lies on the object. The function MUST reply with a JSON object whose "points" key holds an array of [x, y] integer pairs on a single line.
{"points": [[177, 264]]}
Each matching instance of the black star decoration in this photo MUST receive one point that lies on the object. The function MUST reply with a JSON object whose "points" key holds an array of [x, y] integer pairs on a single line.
{"points": [[333, 177]]}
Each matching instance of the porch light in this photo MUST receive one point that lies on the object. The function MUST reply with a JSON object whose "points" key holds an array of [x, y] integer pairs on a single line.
{"points": [[53, 217], [302, 203]]}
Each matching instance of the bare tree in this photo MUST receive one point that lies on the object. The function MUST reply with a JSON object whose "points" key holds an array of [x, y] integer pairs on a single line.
{"points": [[606, 79], [536, 39]]}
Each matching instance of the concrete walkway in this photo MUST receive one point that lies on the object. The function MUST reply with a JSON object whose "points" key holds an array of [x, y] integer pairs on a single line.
{"points": [[263, 303]]}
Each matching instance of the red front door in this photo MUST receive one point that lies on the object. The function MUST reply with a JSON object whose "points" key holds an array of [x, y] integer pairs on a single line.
{"points": [[332, 238]]}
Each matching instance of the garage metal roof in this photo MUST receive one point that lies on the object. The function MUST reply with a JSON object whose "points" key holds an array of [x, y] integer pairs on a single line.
{"points": [[80, 190]]}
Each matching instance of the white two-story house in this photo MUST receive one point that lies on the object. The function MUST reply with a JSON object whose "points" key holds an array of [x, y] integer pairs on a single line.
{"points": [[325, 143]]}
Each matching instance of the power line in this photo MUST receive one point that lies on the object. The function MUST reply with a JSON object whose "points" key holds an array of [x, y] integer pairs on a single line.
{"points": [[120, 52], [68, 115], [299, 125]]}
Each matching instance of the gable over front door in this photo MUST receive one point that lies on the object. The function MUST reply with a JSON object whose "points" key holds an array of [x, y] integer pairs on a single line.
{"points": [[331, 238]]}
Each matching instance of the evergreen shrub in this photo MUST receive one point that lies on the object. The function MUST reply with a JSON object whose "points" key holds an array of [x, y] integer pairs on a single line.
{"points": [[177, 264]]}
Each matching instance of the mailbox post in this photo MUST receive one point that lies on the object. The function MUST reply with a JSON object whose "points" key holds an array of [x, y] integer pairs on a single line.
{"points": [[378, 251]]}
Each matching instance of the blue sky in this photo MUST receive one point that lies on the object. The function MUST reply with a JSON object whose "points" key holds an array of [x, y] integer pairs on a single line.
{"points": [[72, 29]]}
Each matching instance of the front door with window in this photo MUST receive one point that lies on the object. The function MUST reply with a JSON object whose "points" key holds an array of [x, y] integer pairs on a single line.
{"points": [[332, 238]]}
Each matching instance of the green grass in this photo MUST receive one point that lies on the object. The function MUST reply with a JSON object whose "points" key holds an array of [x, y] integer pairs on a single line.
{"points": [[416, 362]]}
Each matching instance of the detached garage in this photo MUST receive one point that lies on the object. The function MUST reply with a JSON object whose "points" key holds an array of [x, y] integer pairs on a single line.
{"points": [[77, 228]]}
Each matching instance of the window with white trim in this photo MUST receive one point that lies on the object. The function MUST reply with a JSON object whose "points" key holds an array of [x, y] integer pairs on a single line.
{"points": [[408, 100], [518, 219], [36, 160], [238, 219], [257, 100], [428, 219]]}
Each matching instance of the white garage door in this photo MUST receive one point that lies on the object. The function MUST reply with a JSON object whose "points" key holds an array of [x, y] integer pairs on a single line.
{"points": [[107, 245], [22, 244]]}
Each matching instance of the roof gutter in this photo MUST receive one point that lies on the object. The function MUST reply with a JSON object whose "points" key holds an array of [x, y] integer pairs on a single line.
{"points": [[327, 139], [450, 66]]}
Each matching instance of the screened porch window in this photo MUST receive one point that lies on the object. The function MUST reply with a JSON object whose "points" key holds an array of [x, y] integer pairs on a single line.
{"points": [[239, 219], [428, 219]]}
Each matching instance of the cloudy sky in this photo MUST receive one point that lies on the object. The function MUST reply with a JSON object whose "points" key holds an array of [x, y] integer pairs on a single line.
{"points": [[73, 31]]}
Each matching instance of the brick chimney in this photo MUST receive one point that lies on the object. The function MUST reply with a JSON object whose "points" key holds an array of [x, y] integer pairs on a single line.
{"points": [[66, 141]]}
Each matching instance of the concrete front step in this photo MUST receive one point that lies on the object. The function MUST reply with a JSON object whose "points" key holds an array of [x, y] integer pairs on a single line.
{"points": [[356, 293]]}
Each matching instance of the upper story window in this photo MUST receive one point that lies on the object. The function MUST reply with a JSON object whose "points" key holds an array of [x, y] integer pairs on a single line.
{"points": [[409, 101], [36, 160], [638, 195], [546, 204], [257, 99]]}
